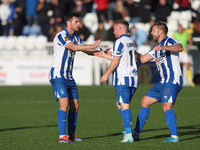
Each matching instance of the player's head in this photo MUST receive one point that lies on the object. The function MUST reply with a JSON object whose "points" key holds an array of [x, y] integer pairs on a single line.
{"points": [[121, 26], [72, 21], [159, 31]]}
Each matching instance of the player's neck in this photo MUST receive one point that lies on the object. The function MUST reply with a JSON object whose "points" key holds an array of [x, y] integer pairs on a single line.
{"points": [[71, 32]]}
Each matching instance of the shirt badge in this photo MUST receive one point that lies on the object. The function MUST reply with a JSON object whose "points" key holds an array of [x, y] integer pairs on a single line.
{"points": [[66, 38]]}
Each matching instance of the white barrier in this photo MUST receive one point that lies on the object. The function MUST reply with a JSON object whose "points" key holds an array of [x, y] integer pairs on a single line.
{"points": [[26, 61]]}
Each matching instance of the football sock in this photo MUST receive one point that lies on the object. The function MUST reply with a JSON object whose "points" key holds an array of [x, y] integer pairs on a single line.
{"points": [[61, 116], [72, 119], [127, 120], [141, 119], [171, 122]]}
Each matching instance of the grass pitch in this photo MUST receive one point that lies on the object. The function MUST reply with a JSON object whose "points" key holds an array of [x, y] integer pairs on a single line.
{"points": [[28, 120]]}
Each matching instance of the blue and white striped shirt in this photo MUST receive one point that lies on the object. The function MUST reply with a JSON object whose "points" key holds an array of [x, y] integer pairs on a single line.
{"points": [[126, 72], [167, 62], [63, 58]]}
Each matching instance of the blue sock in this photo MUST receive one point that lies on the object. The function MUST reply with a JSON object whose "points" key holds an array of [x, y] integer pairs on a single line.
{"points": [[127, 120], [141, 119], [61, 116], [72, 120], [171, 122]]}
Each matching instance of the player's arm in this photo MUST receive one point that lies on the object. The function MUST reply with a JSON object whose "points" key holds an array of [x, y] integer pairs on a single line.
{"points": [[104, 54], [114, 63], [95, 52], [174, 48], [79, 47], [143, 58]]}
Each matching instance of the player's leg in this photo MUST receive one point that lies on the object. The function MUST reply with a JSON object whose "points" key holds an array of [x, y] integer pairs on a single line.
{"points": [[61, 95], [124, 95], [61, 115], [120, 111], [151, 97], [168, 101], [73, 113], [143, 115]]}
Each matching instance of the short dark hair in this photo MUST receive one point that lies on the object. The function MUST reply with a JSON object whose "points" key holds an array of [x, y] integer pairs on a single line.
{"points": [[69, 16], [161, 26], [124, 22]]}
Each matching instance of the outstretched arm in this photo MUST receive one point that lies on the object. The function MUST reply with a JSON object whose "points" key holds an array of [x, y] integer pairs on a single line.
{"points": [[104, 54], [144, 58], [114, 63], [173, 48], [79, 47]]}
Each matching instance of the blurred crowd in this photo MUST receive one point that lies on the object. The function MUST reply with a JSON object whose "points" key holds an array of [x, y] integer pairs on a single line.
{"points": [[45, 17]]}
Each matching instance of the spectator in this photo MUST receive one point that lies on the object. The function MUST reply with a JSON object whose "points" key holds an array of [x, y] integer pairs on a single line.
{"points": [[79, 8], [183, 4], [101, 33], [145, 10], [162, 10], [122, 10], [61, 7], [150, 41], [138, 35], [110, 32], [20, 21], [186, 42], [7, 15], [111, 8], [45, 12], [31, 14], [83, 32], [134, 11], [196, 32], [56, 28], [102, 10], [88, 5]]}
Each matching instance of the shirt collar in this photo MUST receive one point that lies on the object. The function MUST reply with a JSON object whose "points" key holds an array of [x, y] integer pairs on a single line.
{"points": [[164, 39], [67, 33], [127, 35]]}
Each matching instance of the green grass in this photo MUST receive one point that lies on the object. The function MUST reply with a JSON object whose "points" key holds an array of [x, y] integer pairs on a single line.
{"points": [[28, 120]]}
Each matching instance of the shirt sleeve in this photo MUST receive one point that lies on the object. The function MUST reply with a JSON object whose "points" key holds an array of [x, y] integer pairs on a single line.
{"points": [[152, 53], [63, 40], [117, 48]]}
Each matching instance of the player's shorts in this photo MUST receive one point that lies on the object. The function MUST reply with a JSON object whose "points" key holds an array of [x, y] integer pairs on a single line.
{"points": [[64, 88], [165, 92], [124, 93], [184, 57]]}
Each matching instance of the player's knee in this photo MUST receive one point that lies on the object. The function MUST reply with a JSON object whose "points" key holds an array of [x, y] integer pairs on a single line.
{"points": [[63, 107], [167, 106]]}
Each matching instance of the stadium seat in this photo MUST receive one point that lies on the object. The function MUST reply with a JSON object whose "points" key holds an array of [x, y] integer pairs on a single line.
{"points": [[175, 15], [184, 23], [185, 15], [195, 4], [90, 20]]}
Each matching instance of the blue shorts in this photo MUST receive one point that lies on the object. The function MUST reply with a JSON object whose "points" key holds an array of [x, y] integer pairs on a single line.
{"points": [[164, 93], [124, 93], [64, 88]]}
